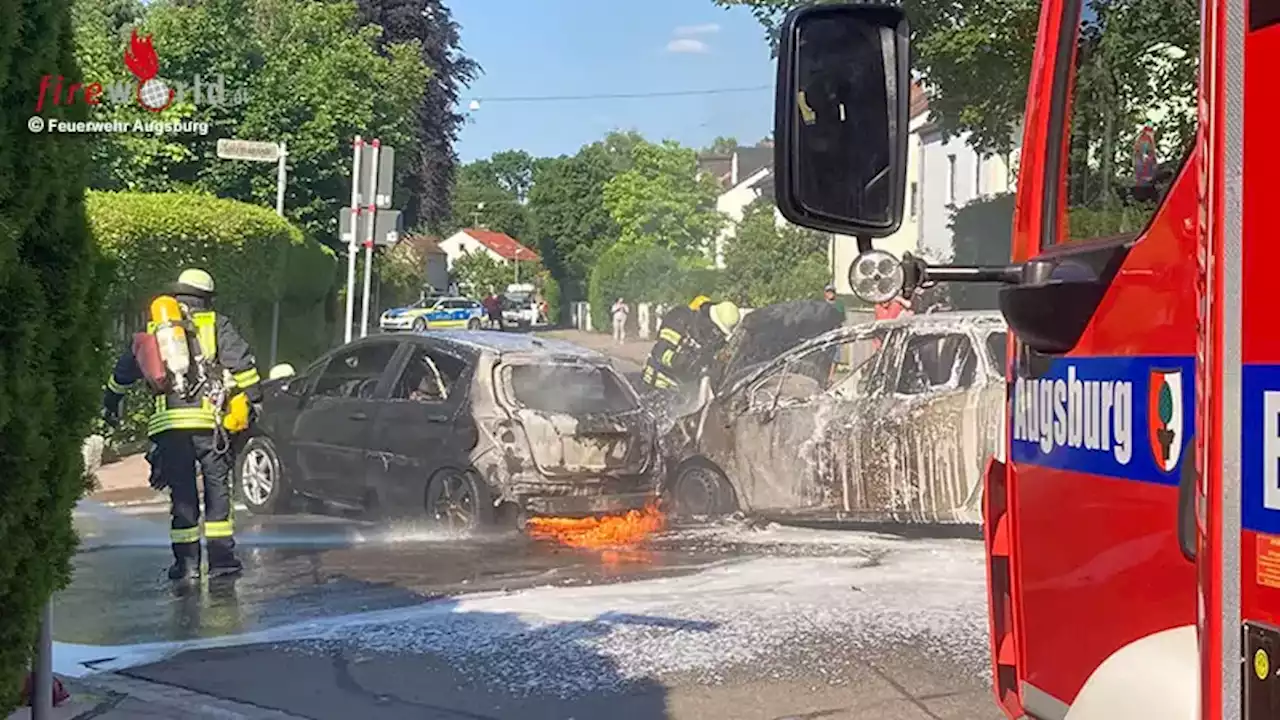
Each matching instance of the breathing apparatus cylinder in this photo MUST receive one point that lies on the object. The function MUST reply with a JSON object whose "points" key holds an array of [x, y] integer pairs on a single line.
{"points": [[171, 339]]}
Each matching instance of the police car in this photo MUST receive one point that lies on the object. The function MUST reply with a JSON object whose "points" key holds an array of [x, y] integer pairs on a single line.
{"points": [[435, 313]]}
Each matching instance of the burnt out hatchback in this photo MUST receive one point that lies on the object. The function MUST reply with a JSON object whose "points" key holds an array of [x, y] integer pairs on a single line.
{"points": [[464, 428]]}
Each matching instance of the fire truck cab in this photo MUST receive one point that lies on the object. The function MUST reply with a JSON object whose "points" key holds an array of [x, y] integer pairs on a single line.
{"points": [[1133, 524]]}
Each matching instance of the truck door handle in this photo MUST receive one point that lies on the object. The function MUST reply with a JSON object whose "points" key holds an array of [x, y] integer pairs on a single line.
{"points": [[359, 416], [1188, 528]]}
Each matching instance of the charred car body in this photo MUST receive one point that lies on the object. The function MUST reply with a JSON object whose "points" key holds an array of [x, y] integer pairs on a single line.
{"points": [[462, 426], [887, 421]]}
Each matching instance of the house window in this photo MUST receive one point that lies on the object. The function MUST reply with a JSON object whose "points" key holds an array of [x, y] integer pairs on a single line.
{"points": [[915, 192], [951, 179]]}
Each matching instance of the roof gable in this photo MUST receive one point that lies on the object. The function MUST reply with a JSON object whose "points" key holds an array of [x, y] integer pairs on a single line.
{"points": [[503, 245]]}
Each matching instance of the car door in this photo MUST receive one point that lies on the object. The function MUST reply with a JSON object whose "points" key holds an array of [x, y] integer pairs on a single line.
{"points": [[423, 424], [332, 429], [928, 437]]}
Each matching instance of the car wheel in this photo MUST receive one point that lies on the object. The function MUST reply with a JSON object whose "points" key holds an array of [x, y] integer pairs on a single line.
{"points": [[457, 500], [260, 479], [700, 489], [419, 324], [473, 324]]}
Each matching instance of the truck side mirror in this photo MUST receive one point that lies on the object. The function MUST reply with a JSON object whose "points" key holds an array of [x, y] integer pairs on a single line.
{"points": [[840, 127]]}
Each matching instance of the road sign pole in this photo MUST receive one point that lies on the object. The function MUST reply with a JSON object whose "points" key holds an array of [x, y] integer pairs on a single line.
{"points": [[351, 246], [368, 244], [42, 683], [281, 178]]}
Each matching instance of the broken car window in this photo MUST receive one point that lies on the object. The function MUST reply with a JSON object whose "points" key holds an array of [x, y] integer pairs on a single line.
{"points": [[428, 377], [568, 389], [934, 361], [354, 373]]}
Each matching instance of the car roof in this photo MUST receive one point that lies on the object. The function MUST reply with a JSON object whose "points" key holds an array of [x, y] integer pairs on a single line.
{"points": [[507, 344]]}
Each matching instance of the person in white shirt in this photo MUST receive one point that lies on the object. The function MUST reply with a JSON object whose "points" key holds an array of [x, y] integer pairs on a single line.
{"points": [[620, 311]]}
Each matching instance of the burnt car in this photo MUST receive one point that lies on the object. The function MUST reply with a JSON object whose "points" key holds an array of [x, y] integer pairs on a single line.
{"points": [[887, 421], [463, 427]]}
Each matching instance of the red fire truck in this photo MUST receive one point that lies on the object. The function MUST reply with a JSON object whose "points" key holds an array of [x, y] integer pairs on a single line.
{"points": [[1133, 523]]}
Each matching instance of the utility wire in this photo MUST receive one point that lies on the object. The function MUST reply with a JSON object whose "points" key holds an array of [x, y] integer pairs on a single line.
{"points": [[614, 96]]}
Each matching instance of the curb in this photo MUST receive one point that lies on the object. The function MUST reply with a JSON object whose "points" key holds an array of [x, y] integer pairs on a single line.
{"points": [[183, 703]]}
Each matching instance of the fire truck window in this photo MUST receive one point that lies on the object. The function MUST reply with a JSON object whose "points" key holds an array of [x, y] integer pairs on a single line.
{"points": [[998, 351], [1133, 114]]}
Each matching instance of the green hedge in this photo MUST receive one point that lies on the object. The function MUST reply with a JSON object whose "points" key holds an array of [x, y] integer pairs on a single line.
{"points": [[551, 293], [50, 334], [255, 257], [637, 273]]}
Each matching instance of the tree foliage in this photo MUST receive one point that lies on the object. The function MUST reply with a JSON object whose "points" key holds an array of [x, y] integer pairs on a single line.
{"points": [[569, 223], [663, 200], [766, 263], [431, 165], [480, 273], [492, 193], [636, 272], [50, 289], [309, 74]]}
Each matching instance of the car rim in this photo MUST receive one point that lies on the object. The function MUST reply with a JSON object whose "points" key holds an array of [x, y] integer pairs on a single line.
{"points": [[257, 476], [697, 491], [451, 502]]}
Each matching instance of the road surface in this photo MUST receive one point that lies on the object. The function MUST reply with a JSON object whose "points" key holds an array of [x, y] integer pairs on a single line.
{"points": [[335, 618]]}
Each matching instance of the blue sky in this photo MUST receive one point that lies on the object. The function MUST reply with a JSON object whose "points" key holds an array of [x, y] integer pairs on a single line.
{"points": [[583, 47]]}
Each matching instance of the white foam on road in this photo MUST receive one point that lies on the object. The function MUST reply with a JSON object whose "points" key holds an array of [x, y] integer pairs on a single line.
{"points": [[869, 595]]}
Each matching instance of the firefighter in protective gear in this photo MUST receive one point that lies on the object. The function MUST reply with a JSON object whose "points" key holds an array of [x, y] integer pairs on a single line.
{"points": [[687, 344], [191, 428], [698, 302]]}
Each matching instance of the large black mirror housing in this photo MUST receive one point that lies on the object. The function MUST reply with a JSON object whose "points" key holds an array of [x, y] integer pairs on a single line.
{"points": [[840, 129]]}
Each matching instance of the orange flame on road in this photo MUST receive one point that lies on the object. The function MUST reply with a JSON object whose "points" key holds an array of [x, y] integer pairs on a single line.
{"points": [[611, 533]]}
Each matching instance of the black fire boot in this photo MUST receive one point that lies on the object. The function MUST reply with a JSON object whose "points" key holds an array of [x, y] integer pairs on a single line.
{"points": [[186, 562], [222, 558]]}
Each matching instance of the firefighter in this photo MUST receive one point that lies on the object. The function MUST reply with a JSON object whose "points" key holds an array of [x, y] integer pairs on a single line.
{"points": [[687, 344], [191, 427]]}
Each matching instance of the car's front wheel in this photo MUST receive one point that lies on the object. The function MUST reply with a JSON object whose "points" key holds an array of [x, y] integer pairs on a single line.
{"points": [[419, 324], [458, 501], [260, 478], [699, 488], [473, 324]]}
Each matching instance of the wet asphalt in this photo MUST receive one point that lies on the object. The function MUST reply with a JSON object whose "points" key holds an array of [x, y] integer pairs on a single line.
{"points": [[693, 624]]}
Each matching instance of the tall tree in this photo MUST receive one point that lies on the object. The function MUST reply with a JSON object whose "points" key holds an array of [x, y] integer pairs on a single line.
{"points": [[569, 222], [487, 194], [722, 146], [438, 121], [663, 200], [766, 263]]}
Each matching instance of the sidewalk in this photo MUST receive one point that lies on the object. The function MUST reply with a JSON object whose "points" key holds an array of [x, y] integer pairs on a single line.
{"points": [[111, 696], [124, 482], [633, 351]]}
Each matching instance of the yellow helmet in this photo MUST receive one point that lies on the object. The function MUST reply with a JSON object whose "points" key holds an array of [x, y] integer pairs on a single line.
{"points": [[699, 302], [725, 315], [197, 280]]}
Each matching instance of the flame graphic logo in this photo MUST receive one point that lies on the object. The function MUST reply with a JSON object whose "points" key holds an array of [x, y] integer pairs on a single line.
{"points": [[141, 59]]}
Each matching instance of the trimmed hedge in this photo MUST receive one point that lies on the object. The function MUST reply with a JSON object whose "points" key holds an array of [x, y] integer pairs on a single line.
{"points": [[50, 331], [255, 256], [551, 293], [638, 273]]}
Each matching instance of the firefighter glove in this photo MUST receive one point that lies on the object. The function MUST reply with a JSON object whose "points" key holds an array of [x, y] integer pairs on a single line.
{"points": [[237, 417]]}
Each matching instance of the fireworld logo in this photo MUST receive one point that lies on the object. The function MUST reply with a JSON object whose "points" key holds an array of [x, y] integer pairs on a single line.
{"points": [[150, 91]]}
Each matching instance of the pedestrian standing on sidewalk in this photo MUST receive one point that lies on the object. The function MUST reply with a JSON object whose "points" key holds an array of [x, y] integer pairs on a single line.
{"points": [[620, 312]]}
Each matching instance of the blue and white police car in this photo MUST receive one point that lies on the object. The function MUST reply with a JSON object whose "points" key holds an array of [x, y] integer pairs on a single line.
{"points": [[434, 313]]}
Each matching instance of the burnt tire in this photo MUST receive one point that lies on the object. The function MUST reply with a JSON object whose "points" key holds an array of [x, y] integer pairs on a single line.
{"points": [[260, 481], [458, 501], [419, 324], [699, 488], [473, 324]]}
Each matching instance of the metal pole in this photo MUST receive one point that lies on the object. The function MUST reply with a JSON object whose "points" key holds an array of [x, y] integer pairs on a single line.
{"points": [[42, 686], [368, 243], [351, 246], [275, 306]]}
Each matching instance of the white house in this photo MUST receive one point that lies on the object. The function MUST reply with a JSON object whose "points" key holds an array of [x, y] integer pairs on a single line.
{"points": [[953, 174], [499, 246], [745, 174]]}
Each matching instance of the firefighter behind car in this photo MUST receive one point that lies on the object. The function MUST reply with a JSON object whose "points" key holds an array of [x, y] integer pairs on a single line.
{"points": [[203, 377], [687, 345]]}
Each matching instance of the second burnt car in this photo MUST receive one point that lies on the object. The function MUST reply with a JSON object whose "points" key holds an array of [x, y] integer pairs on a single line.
{"points": [[463, 427], [887, 421]]}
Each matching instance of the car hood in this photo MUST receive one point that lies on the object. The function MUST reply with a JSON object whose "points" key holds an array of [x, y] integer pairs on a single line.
{"points": [[771, 331], [400, 312]]}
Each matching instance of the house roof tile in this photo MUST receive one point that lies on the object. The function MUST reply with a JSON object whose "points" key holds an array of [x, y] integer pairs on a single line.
{"points": [[507, 247]]}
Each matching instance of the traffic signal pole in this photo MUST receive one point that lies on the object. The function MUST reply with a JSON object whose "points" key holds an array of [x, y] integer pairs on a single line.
{"points": [[353, 246]]}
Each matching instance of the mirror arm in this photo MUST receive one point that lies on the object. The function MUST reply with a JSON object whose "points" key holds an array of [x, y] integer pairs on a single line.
{"points": [[1004, 274]]}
